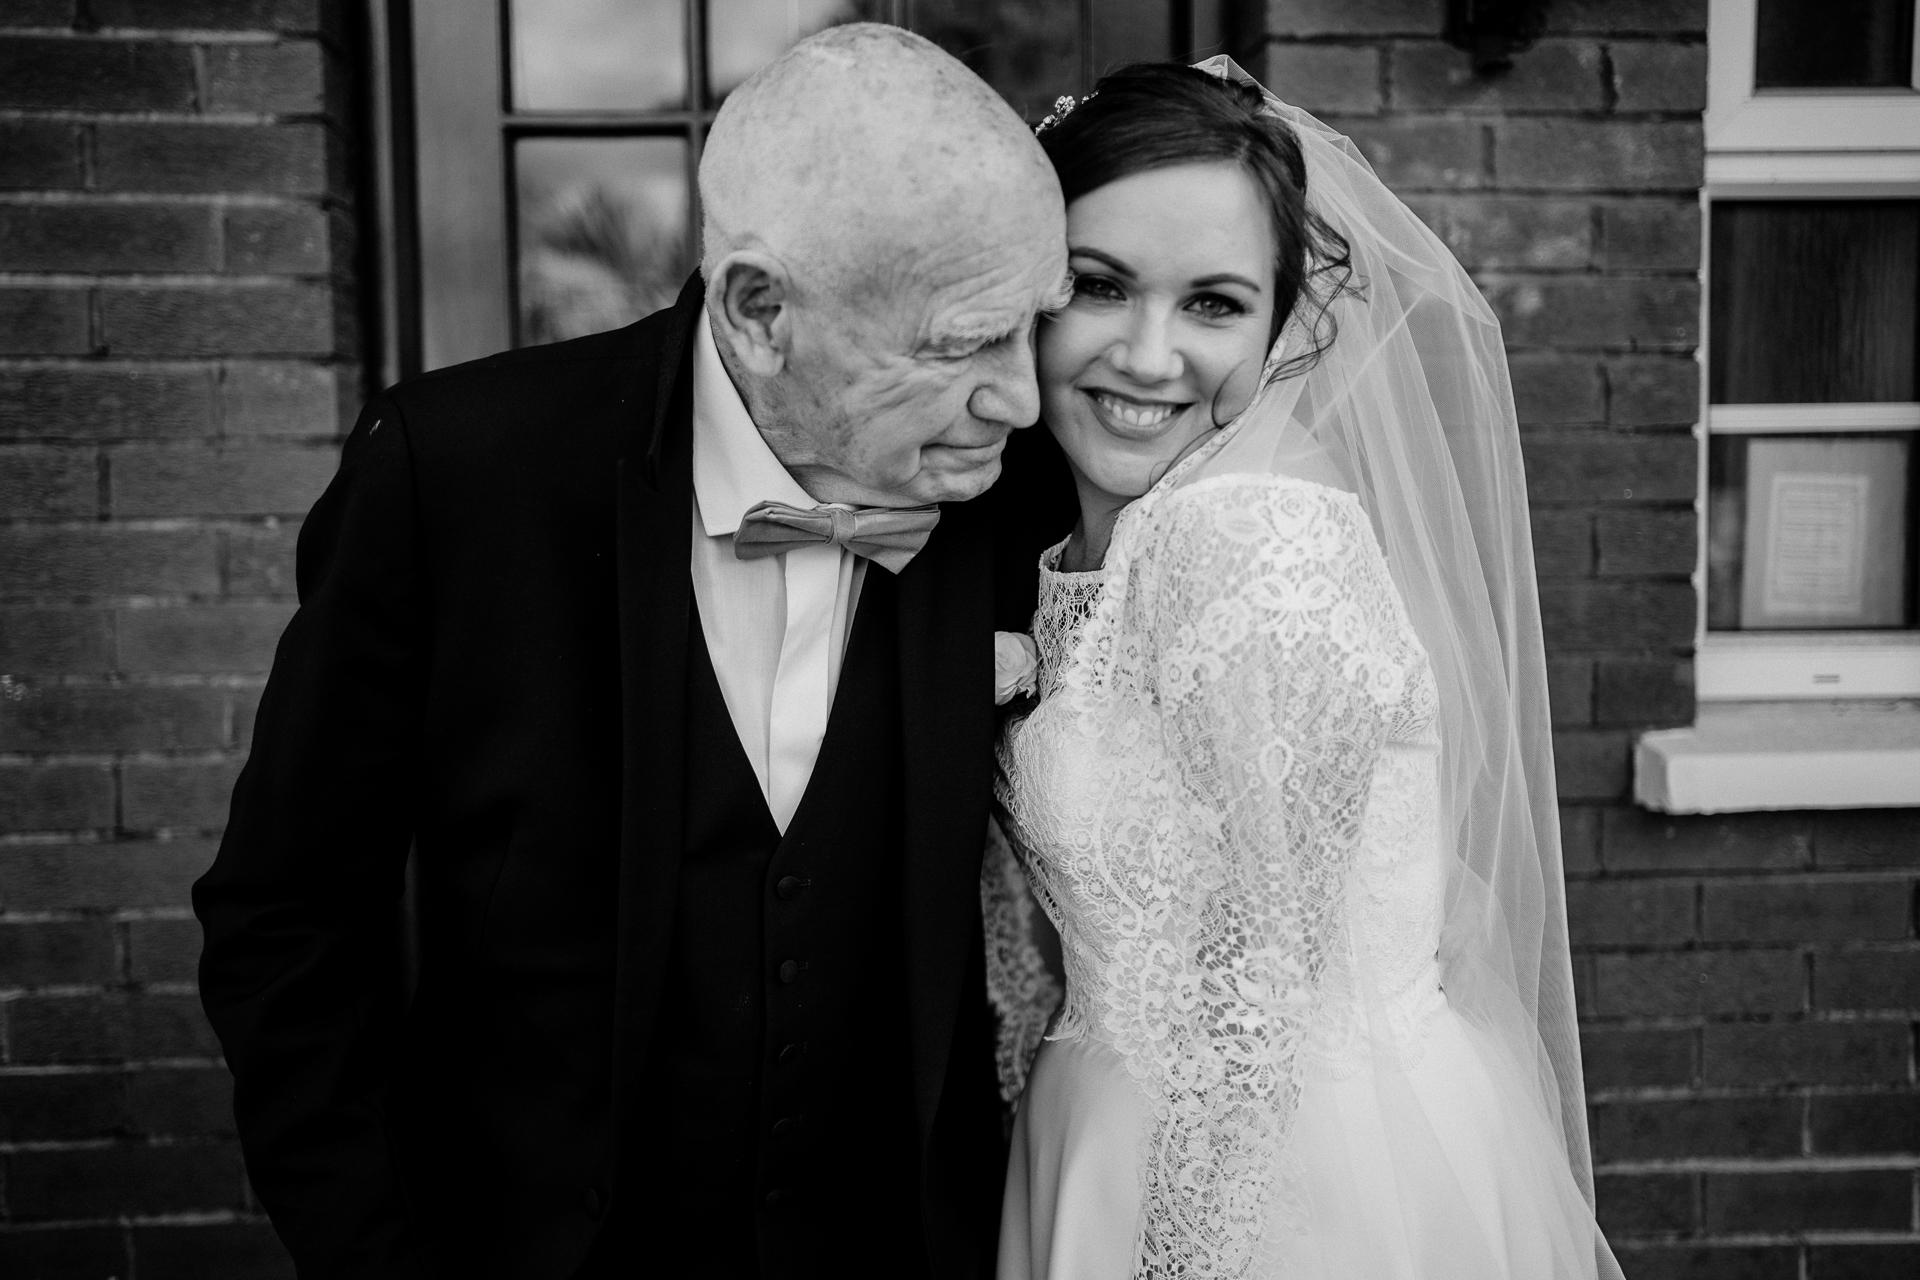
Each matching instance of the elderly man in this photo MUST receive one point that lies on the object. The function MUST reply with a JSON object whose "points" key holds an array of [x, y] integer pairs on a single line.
{"points": [[668, 652]]}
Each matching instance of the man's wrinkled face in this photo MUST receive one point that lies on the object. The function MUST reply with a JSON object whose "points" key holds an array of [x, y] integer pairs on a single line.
{"points": [[910, 392]]}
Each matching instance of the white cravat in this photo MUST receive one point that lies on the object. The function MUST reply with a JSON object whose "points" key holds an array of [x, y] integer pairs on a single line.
{"points": [[776, 628]]}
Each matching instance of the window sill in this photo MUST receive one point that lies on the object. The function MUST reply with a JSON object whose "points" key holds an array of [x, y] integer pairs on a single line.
{"points": [[1745, 756]]}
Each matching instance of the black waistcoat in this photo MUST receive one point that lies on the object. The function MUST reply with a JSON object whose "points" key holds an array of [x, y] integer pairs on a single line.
{"points": [[785, 1143]]}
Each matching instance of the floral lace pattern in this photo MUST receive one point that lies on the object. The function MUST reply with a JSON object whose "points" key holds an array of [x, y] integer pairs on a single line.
{"points": [[1195, 802], [1020, 987]]}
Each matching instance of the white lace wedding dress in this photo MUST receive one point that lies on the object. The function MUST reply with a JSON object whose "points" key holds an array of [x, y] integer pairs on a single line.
{"points": [[1226, 802]]}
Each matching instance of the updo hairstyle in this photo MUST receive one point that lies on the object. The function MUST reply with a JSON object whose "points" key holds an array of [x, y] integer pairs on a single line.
{"points": [[1155, 115]]}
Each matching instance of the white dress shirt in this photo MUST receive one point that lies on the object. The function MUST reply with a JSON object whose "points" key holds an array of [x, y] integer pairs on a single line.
{"points": [[776, 627]]}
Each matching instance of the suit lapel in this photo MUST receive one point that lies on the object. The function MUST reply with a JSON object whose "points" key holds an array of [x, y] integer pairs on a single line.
{"points": [[655, 523], [945, 601]]}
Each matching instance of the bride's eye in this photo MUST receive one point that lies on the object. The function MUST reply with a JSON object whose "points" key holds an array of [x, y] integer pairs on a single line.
{"points": [[1216, 306], [1096, 288]]}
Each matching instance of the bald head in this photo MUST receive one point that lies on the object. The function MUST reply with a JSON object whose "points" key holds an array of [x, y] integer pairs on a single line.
{"points": [[859, 146], [881, 231]]}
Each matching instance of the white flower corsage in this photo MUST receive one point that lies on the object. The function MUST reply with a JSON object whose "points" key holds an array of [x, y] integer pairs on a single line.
{"points": [[1016, 666]]}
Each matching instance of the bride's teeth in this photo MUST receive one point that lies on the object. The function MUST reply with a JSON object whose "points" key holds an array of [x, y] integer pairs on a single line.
{"points": [[1137, 415]]}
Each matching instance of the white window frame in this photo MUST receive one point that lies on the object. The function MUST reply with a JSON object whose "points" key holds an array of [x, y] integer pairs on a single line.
{"points": [[1796, 145]]}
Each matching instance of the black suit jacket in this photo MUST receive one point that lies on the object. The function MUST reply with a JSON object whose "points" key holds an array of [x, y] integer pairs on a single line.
{"points": [[489, 665]]}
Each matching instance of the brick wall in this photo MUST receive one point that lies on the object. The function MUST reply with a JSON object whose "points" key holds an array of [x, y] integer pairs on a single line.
{"points": [[1749, 984], [177, 349]]}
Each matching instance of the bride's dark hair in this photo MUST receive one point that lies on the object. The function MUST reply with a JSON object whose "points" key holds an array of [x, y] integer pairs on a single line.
{"points": [[1154, 115]]}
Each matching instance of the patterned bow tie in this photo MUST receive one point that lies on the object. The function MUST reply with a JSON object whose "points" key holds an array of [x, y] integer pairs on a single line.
{"points": [[889, 536]]}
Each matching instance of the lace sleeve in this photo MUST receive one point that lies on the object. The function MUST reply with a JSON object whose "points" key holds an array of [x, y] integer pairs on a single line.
{"points": [[1279, 652], [1020, 985]]}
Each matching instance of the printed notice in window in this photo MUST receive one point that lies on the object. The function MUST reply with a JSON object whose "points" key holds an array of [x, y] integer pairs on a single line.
{"points": [[1825, 533]]}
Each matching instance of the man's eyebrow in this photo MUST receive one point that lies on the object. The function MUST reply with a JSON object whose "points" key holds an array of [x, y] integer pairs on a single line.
{"points": [[974, 332], [1062, 294]]}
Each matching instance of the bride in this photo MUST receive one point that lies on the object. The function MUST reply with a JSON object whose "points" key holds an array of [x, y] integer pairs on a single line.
{"points": [[1286, 793]]}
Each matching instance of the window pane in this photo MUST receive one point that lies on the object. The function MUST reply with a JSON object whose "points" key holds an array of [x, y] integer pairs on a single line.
{"points": [[602, 232], [745, 35], [1810, 532], [597, 55], [1834, 44], [1814, 300], [1027, 49]]}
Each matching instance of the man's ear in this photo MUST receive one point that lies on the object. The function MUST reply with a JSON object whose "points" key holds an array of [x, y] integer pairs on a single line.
{"points": [[750, 297]]}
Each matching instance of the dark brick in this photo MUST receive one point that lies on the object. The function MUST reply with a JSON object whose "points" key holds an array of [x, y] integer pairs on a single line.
{"points": [[43, 322], [1866, 1124], [1611, 913], [1691, 1128], [1570, 690], [1562, 543], [1554, 75], [1590, 765], [97, 1182], [246, 480], [93, 403], [1587, 155], [279, 399], [107, 237], [182, 795], [1867, 980], [109, 1028], [1597, 311], [55, 641], [1653, 391], [191, 1102], [1498, 232], [1708, 1262], [1803, 1053], [1326, 79], [124, 718], [1659, 77], [40, 483], [1633, 1203], [1422, 155], [1830, 1199], [1550, 389], [1354, 18], [200, 639], [1700, 982], [1619, 17], [95, 75], [1651, 691], [1617, 615], [1805, 910], [1635, 840], [1646, 543], [260, 560], [1580, 840], [1866, 838], [1635, 1058], [105, 560], [39, 154], [63, 1253], [55, 797], [1863, 1261], [232, 1251], [199, 320], [164, 950], [67, 1107], [57, 953], [279, 240], [1609, 468], [213, 15], [134, 876], [287, 159], [1650, 235], [288, 78]]}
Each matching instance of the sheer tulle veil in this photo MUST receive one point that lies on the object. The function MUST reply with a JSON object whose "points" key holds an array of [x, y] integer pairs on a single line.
{"points": [[1410, 407]]}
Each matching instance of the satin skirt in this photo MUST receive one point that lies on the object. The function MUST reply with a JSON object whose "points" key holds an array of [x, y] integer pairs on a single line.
{"points": [[1421, 1174]]}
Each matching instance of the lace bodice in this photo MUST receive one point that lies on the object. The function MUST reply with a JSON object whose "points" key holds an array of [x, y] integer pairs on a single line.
{"points": [[1226, 802]]}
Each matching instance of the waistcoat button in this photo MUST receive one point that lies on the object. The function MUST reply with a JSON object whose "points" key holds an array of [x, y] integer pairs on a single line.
{"points": [[790, 969], [791, 887], [594, 1202], [773, 1198], [782, 1127], [791, 1053]]}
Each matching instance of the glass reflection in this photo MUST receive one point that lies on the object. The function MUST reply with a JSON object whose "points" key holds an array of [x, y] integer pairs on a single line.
{"points": [[745, 35], [597, 55], [602, 232], [1834, 44], [1029, 51]]}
